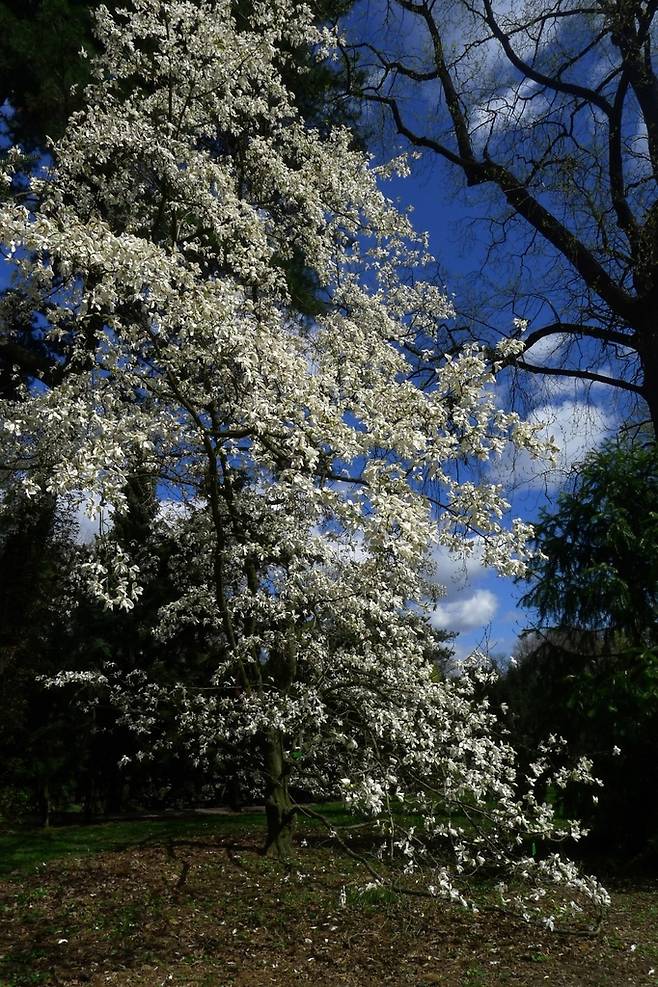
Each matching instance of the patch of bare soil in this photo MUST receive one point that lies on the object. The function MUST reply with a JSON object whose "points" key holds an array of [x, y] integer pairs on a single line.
{"points": [[217, 915]]}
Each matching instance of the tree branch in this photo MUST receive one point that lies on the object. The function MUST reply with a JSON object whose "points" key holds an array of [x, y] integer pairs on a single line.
{"points": [[578, 374], [554, 83], [577, 328]]}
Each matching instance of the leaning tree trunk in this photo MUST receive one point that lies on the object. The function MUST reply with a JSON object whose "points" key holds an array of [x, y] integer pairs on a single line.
{"points": [[279, 812]]}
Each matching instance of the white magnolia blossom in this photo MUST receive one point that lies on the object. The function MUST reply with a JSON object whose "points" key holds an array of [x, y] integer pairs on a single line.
{"points": [[166, 248], [111, 578]]}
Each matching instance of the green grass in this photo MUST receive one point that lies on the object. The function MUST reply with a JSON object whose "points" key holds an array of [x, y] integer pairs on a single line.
{"points": [[27, 848], [22, 849]]}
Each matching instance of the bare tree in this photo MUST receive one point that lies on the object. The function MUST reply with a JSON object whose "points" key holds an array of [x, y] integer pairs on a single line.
{"points": [[554, 104]]}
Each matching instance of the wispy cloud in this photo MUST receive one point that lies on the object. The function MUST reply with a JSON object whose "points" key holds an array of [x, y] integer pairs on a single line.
{"points": [[575, 426]]}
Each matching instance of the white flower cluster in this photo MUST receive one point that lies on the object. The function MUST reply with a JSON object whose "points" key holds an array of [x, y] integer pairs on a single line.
{"points": [[112, 579]]}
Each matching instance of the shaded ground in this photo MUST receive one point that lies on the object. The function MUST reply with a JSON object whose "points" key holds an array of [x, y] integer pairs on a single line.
{"points": [[195, 905]]}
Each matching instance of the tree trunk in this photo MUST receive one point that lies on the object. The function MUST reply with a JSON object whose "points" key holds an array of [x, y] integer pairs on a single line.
{"points": [[649, 359], [279, 812], [45, 805]]}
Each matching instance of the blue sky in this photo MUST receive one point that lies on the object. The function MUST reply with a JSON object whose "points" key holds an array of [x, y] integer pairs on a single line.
{"points": [[480, 605]]}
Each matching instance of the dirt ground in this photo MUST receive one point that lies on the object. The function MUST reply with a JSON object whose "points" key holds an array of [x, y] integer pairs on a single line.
{"points": [[216, 914]]}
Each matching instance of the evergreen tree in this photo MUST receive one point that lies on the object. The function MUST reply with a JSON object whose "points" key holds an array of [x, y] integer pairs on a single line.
{"points": [[590, 668]]}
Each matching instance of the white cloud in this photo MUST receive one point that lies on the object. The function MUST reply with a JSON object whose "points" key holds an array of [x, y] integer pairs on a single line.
{"points": [[576, 427], [455, 573], [547, 350], [465, 614]]}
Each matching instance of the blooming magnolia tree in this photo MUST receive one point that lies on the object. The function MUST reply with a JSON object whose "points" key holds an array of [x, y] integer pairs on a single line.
{"points": [[160, 250]]}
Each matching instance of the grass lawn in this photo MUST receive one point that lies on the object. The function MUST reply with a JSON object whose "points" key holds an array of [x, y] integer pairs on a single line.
{"points": [[191, 902]]}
